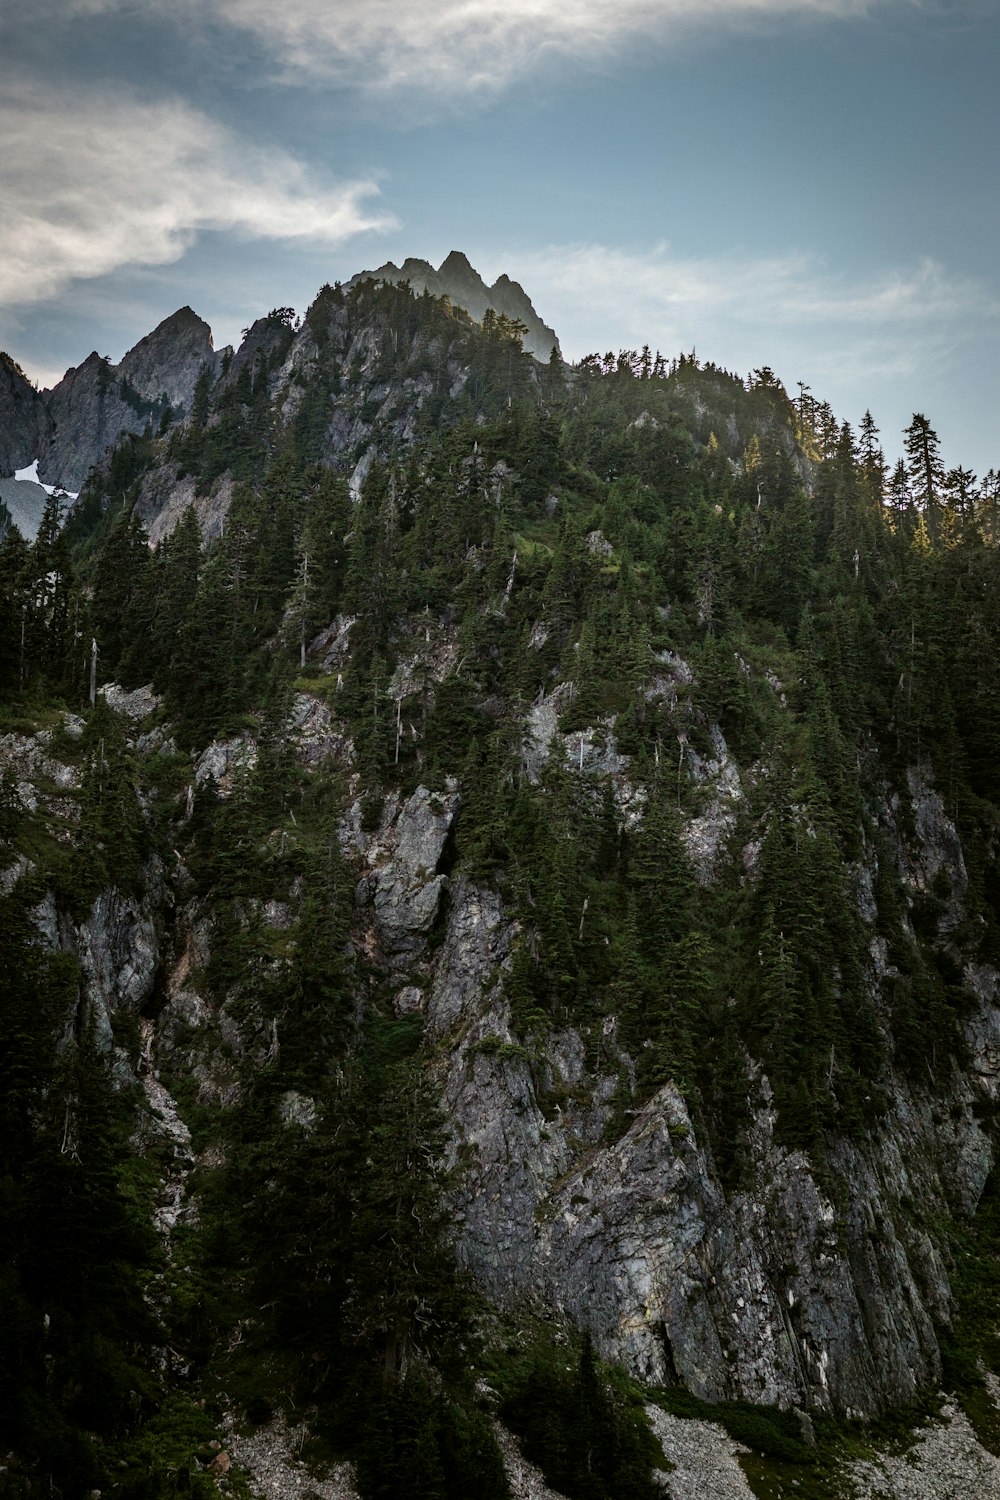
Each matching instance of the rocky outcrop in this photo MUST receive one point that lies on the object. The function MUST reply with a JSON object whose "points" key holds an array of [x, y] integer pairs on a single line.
{"points": [[89, 412], [73, 426], [163, 499], [164, 366], [826, 1293], [770, 1294], [70, 427], [265, 342], [119, 951], [404, 888]]}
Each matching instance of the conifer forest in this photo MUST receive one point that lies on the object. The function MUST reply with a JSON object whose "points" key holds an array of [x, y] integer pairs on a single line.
{"points": [[500, 927]]}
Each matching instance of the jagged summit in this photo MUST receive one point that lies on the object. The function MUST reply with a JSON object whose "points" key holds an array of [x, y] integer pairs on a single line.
{"points": [[70, 426], [169, 360], [458, 279]]}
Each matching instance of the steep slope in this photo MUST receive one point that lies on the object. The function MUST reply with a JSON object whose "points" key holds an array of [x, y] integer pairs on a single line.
{"points": [[368, 372], [97, 404], [74, 425], [546, 844]]}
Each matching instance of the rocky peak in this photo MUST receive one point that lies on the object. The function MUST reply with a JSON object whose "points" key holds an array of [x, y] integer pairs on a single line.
{"points": [[168, 361], [457, 273], [457, 279], [267, 337], [456, 263], [97, 401]]}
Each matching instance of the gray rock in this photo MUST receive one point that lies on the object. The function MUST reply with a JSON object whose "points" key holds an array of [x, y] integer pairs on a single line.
{"points": [[223, 760], [136, 705], [768, 1294], [168, 361], [405, 888], [118, 948], [315, 733], [13, 873], [45, 917], [477, 942], [24, 419], [24, 502], [164, 498], [97, 401], [939, 849], [409, 1001], [705, 834]]}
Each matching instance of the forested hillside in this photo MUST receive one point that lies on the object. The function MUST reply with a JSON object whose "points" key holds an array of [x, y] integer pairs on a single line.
{"points": [[506, 882]]}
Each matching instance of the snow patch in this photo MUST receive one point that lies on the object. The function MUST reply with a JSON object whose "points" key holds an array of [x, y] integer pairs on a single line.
{"points": [[30, 476]]}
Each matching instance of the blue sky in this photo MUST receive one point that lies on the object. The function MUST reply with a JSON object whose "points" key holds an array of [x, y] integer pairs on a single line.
{"points": [[809, 184]]}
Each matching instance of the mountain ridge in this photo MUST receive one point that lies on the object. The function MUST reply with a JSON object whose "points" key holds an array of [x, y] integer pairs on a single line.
{"points": [[73, 424], [457, 279]]}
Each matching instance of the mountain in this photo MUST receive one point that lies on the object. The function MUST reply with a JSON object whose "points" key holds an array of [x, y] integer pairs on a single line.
{"points": [[499, 915], [97, 401], [72, 426], [456, 279]]}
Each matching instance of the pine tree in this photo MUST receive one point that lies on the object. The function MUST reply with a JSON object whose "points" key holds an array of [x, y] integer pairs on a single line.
{"points": [[926, 471], [14, 602]]}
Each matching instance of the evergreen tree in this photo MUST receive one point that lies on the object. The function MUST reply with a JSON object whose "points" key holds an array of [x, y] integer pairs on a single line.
{"points": [[925, 470]]}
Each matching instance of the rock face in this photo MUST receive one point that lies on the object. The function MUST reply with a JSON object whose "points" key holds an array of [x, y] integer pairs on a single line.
{"points": [[24, 419], [457, 279], [72, 426], [168, 361], [97, 401], [24, 503], [405, 888], [767, 1294], [829, 1295], [118, 947], [827, 1292], [782, 1291]]}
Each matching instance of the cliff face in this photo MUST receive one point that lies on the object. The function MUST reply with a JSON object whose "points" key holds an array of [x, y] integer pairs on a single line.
{"points": [[72, 427], [24, 420], [96, 402], [168, 361], [828, 1294]]}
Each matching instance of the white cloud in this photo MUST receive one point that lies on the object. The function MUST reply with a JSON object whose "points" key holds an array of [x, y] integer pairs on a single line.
{"points": [[89, 185], [742, 311], [469, 47]]}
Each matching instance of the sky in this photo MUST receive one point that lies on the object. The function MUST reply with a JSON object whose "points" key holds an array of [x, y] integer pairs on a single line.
{"points": [[806, 184]]}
